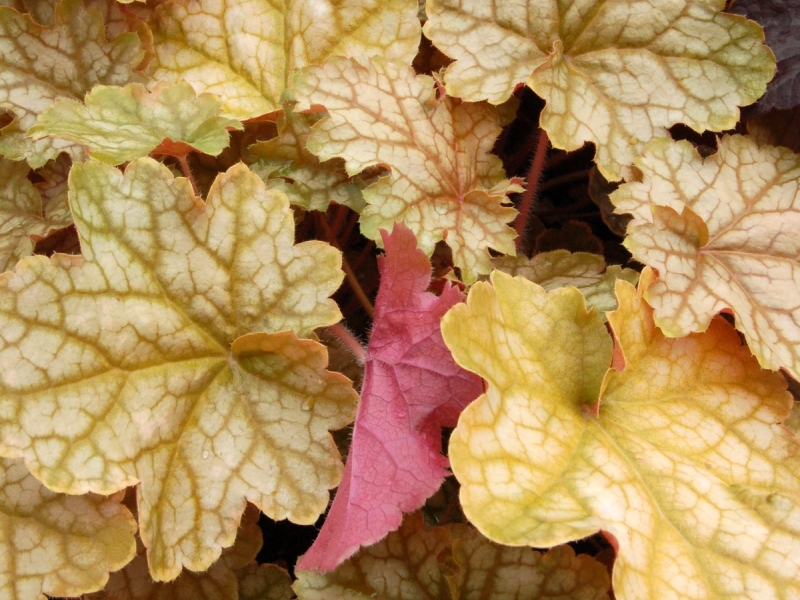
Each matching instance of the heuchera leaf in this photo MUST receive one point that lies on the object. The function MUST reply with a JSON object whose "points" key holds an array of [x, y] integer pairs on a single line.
{"points": [[444, 184], [285, 163], [613, 72], [560, 268], [411, 389], [42, 64], [167, 354], [264, 582], [219, 582], [455, 562], [780, 21], [119, 124], [403, 565], [722, 232], [488, 570], [246, 51], [678, 456], [22, 214], [57, 544]]}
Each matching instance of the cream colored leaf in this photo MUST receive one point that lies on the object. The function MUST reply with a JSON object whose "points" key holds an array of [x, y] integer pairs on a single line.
{"points": [[722, 232], [613, 72], [219, 582], [677, 456], [41, 64], [23, 217], [118, 124], [286, 164], [165, 355], [561, 268], [489, 570], [57, 544], [246, 51], [444, 183]]}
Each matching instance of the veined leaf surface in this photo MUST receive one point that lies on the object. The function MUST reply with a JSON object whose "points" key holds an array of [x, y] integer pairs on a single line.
{"points": [[560, 268], [42, 64], [455, 562], [285, 163], [167, 354], [444, 183], [678, 455], [23, 213], [119, 124], [722, 232], [613, 72], [57, 544], [246, 51]]}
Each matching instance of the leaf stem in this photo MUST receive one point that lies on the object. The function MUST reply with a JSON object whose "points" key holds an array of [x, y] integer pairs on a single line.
{"points": [[534, 175], [349, 341], [187, 172], [351, 276]]}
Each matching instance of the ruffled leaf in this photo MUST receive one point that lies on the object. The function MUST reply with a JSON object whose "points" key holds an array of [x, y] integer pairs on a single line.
{"points": [[444, 183], [613, 72], [167, 354], [246, 51], [677, 455], [119, 124], [722, 232]]}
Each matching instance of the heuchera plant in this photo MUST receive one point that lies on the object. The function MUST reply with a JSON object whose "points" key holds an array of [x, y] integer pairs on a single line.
{"points": [[186, 184]]}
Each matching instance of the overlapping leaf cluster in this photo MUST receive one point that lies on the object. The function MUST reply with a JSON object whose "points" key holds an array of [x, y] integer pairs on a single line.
{"points": [[173, 146]]}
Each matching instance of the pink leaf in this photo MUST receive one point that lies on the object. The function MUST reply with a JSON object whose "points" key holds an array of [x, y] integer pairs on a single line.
{"points": [[412, 387]]}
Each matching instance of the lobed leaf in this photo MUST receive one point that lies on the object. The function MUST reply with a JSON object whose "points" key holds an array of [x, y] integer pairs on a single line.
{"points": [[219, 582], [561, 268], [24, 216], [264, 582], [167, 354], [455, 562], [41, 64], [285, 164], [613, 72], [444, 183], [412, 388], [57, 544], [119, 124], [780, 21], [246, 51], [722, 233], [677, 456]]}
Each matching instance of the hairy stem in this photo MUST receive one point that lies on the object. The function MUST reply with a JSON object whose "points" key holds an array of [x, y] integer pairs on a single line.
{"points": [[534, 175], [187, 172], [349, 341]]}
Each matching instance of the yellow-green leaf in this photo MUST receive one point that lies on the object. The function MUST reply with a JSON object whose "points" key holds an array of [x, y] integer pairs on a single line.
{"points": [[23, 214], [247, 51], [41, 64], [444, 183], [57, 544], [219, 582], [118, 124], [560, 268], [285, 163], [722, 232], [166, 355], [680, 459], [613, 72]]}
